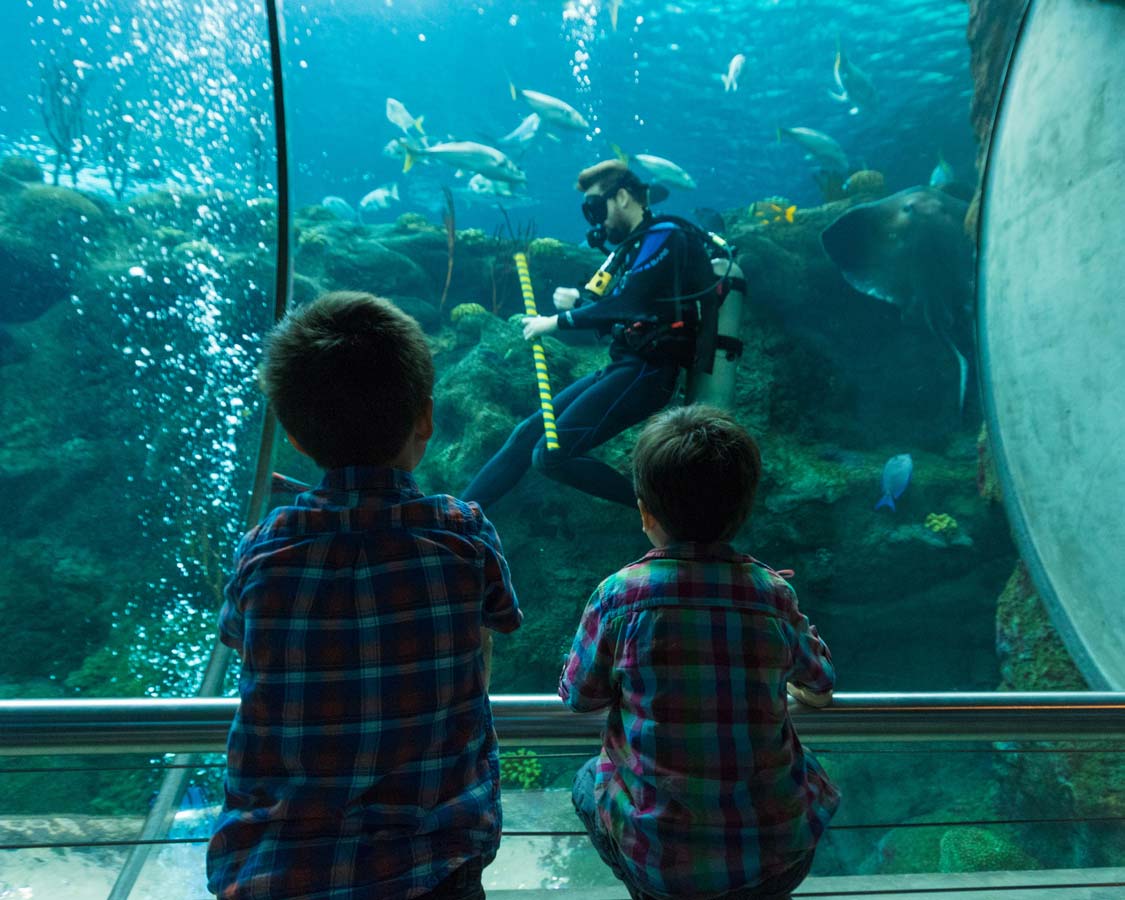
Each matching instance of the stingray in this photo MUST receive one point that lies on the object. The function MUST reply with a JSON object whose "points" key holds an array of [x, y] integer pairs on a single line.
{"points": [[910, 250]]}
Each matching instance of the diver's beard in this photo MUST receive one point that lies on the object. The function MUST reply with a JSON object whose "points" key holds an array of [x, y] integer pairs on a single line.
{"points": [[615, 234]]}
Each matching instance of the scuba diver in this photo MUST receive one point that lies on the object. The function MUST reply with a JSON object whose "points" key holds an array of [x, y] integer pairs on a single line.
{"points": [[646, 297]]}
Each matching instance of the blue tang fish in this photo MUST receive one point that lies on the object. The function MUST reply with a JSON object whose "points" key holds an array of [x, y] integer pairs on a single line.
{"points": [[896, 476]]}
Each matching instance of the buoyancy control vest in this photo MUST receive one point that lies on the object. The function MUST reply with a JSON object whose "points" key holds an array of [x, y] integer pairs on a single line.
{"points": [[706, 343]]}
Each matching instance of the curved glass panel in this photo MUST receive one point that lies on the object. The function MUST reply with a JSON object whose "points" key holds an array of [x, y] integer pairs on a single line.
{"points": [[1052, 322], [136, 257]]}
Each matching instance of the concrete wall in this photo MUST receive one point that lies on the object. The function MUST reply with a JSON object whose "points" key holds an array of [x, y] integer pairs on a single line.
{"points": [[1052, 318]]}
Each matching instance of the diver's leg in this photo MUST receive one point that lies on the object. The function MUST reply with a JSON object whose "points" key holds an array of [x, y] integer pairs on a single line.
{"points": [[617, 398], [507, 466]]}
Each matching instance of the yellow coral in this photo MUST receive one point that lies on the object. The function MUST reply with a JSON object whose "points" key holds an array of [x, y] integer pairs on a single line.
{"points": [[467, 311], [941, 523], [865, 181]]}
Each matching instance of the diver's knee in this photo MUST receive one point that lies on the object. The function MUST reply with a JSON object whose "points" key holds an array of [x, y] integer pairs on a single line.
{"points": [[544, 460]]}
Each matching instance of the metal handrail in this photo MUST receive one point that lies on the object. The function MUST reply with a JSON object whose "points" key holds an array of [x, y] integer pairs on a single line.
{"points": [[200, 725]]}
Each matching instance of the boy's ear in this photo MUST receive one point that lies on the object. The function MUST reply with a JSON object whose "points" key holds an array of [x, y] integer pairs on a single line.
{"points": [[424, 426], [296, 446], [647, 520]]}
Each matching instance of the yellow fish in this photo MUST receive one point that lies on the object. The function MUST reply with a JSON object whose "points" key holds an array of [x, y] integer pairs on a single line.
{"points": [[614, 6], [773, 212]]}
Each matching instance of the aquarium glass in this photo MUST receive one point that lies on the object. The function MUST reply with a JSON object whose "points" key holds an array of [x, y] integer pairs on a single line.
{"points": [[138, 243], [835, 147]]}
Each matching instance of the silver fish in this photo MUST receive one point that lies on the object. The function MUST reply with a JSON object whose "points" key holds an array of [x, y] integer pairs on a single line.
{"points": [[734, 69], [398, 115], [474, 157], [665, 171], [553, 111], [380, 198], [819, 146], [523, 134], [855, 87]]}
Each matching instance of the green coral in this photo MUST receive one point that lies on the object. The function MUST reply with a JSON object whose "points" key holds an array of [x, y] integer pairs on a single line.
{"points": [[196, 250], [412, 222], [941, 523], [467, 311], [21, 168], [521, 768], [974, 849], [57, 217]]}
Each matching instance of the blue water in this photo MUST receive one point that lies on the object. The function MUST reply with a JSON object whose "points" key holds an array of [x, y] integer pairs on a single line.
{"points": [[652, 86]]}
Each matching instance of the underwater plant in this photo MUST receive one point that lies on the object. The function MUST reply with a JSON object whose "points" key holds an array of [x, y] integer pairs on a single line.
{"points": [[115, 132], [501, 268], [941, 523], [62, 103], [521, 768], [450, 221]]}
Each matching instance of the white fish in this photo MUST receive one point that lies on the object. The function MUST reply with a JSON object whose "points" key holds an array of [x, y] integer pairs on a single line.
{"points": [[552, 110], [474, 157], [397, 115], [855, 86], [478, 184], [339, 207], [523, 134], [665, 171], [734, 69], [819, 146], [380, 198]]}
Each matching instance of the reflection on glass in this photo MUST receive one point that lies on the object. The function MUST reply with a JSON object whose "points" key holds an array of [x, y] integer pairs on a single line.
{"points": [[909, 808], [137, 254]]}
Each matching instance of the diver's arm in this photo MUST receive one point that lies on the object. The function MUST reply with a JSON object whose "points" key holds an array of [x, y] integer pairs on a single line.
{"points": [[534, 327], [651, 275]]}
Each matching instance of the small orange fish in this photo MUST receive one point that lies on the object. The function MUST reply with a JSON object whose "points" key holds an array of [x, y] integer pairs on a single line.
{"points": [[773, 212]]}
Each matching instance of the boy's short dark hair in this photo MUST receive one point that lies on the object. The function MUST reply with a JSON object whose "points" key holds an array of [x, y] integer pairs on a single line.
{"points": [[611, 175], [697, 470], [348, 376]]}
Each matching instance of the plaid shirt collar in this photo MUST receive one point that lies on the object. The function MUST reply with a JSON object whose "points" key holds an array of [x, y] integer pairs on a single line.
{"points": [[369, 478], [718, 551]]}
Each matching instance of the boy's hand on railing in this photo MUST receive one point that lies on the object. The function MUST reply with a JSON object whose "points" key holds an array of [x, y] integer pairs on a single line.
{"points": [[809, 698]]}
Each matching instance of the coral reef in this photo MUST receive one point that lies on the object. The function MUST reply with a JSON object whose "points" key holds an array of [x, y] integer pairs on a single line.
{"points": [[975, 849], [21, 168], [1031, 653], [866, 183], [941, 523], [521, 768]]}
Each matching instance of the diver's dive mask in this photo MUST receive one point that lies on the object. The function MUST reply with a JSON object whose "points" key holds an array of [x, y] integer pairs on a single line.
{"points": [[595, 207]]}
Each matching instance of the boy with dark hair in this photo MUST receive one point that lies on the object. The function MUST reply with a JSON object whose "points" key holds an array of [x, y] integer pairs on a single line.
{"points": [[362, 761], [702, 788]]}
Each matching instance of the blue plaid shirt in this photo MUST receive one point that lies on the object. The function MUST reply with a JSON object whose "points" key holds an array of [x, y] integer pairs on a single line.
{"points": [[362, 761], [702, 781]]}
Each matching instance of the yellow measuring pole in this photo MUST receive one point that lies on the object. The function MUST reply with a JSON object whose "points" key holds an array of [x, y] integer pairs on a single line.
{"points": [[541, 378]]}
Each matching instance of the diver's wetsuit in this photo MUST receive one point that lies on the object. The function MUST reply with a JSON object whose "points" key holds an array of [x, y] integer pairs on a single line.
{"points": [[660, 262]]}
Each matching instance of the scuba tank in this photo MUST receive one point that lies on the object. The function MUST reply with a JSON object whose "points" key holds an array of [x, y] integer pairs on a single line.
{"points": [[718, 348]]}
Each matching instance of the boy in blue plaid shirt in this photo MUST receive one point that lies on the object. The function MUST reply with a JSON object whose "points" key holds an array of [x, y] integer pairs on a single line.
{"points": [[702, 789], [362, 762]]}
